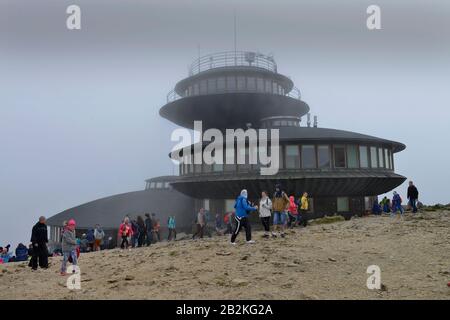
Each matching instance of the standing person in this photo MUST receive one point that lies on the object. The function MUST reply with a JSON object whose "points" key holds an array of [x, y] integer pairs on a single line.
{"points": [[304, 207], [201, 221], [279, 203], [171, 227], [413, 196], [39, 240], [141, 231], [243, 207], [99, 234], [125, 232], [397, 205], [292, 212], [91, 240], [69, 246], [228, 220], [386, 204], [148, 229], [265, 207], [135, 235], [155, 227]]}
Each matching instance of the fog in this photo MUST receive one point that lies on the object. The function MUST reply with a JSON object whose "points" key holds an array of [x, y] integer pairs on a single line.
{"points": [[79, 108]]}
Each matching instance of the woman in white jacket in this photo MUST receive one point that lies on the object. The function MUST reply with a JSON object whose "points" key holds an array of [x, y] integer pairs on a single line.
{"points": [[265, 207]]}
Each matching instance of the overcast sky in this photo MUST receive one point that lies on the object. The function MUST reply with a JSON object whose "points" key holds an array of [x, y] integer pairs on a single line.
{"points": [[79, 109]]}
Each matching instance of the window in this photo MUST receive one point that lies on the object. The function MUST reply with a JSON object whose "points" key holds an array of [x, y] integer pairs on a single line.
{"points": [[380, 157], [212, 86], [343, 204], [241, 83], [308, 156], [217, 167], [152, 185], [363, 157], [221, 84], [352, 156], [373, 157], [246, 165], [231, 83], [167, 185], [292, 157], [268, 86], [339, 157], [274, 87], [203, 87], [323, 153], [190, 90], [230, 162], [207, 168], [251, 83], [159, 185], [386, 156], [196, 89], [260, 84]]}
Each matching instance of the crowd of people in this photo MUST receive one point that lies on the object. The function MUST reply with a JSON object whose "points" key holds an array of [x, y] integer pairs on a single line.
{"points": [[394, 206]]}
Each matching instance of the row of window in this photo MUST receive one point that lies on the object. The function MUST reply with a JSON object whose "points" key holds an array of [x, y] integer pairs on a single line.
{"points": [[233, 84], [157, 185], [307, 156]]}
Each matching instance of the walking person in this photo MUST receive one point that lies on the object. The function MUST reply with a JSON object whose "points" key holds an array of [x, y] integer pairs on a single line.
{"points": [[201, 222], [413, 196], [148, 229], [155, 227], [304, 207], [141, 231], [99, 234], [69, 246], [125, 232], [292, 212], [243, 207], [265, 213], [39, 240], [279, 203], [228, 220], [135, 234], [397, 205], [171, 227]]}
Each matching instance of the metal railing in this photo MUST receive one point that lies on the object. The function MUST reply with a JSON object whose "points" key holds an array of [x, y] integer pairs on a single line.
{"points": [[173, 96], [231, 59]]}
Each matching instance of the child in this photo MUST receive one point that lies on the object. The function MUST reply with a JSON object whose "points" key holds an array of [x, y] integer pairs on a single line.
{"points": [[125, 232], [69, 246], [292, 212]]}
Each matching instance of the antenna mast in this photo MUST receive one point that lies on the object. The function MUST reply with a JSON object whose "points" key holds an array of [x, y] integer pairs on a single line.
{"points": [[235, 38]]}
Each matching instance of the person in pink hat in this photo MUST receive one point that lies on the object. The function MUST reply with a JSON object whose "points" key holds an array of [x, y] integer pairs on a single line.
{"points": [[69, 245]]}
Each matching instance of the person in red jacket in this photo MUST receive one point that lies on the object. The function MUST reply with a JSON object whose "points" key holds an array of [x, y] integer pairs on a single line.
{"points": [[292, 211], [125, 232]]}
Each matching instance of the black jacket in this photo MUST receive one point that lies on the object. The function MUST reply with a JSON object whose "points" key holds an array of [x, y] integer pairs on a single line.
{"points": [[413, 193], [39, 233]]}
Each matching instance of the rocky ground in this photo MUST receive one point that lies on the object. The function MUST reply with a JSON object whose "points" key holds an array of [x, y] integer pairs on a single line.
{"points": [[324, 261]]}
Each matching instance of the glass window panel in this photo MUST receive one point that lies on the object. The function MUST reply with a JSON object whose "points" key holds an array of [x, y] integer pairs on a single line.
{"points": [[386, 156], [308, 156], [274, 87], [241, 83], [363, 157], [339, 157], [196, 89], [373, 157], [323, 153], [231, 83], [191, 91], [221, 84], [260, 84], [230, 161], [292, 157], [343, 204], [380, 157], [268, 86], [352, 156], [212, 86], [159, 185], [203, 87], [251, 83], [152, 185]]}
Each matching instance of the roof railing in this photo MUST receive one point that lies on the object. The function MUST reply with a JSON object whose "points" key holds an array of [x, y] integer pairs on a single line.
{"points": [[232, 59]]}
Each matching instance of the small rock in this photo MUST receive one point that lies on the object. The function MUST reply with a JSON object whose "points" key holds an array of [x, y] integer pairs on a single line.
{"points": [[332, 259], [223, 253], [113, 280], [239, 282], [244, 258], [383, 287], [129, 277]]}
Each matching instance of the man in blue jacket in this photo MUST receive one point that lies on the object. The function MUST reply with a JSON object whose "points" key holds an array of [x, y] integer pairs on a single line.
{"points": [[242, 207]]}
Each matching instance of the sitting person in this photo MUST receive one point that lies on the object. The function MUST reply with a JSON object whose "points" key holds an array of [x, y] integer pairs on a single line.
{"points": [[21, 252], [376, 208]]}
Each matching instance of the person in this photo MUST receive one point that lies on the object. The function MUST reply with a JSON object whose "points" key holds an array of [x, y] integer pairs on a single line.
{"points": [[6, 256], [21, 252], [135, 233], [69, 246], [171, 227], [386, 204], [90, 239], [84, 243], [39, 240], [200, 224], [413, 196], [265, 207], [228, 220], [148, 229], [292, 212], [397, 204], [304, 207], [279, 203], [242, 208], [141, 231], [99, 234], [376, 208], [155, 227], [125, 232]]}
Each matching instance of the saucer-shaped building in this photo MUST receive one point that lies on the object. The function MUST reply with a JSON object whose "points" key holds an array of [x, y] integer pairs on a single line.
{"points": [[342, 171]]}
